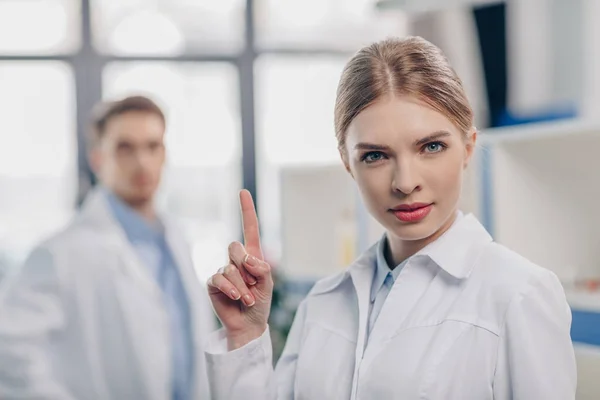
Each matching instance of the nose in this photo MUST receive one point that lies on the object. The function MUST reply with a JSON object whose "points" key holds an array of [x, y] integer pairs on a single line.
{"points": [[406, 179], [142, 157]]}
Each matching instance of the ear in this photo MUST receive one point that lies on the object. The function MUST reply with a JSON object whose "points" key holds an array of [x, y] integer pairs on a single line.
{"points": [[95, 158], [344, 158], [470, 143]]}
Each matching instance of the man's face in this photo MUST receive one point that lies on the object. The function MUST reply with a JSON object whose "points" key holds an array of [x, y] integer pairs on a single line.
{"points": [[130, 155]]}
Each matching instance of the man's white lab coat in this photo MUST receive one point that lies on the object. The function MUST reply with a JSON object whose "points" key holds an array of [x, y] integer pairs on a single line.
{"points": [[84, 318]]}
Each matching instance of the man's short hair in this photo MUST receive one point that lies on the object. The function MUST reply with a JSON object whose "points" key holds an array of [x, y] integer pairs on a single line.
{"points": [[105, 111]]}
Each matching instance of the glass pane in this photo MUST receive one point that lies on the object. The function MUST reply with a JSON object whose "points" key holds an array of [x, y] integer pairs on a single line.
{"points": [[38, 154], [39, 26], [294, 126], [202, 176], [343, 24], [168, 27]]}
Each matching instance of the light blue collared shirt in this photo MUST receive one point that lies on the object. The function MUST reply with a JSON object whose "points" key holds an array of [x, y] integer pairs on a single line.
{"points": [[151, 246], [383, 280]]}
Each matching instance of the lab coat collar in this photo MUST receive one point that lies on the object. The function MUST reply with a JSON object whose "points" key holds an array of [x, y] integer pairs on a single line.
{"points": [[96, 210], [455, 252], [136, 227], [96, 214]]}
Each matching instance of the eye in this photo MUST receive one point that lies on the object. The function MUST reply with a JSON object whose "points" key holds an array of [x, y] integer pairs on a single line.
{"points": [[434, 147], [154, 146], [372, 156], [124, 148]]}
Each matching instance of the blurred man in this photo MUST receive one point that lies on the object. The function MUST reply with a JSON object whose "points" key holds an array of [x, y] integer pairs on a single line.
{"points": [[110, 308]]}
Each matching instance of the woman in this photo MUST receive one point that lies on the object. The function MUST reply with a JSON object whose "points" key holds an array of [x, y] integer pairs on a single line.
{"points": [[436, 309]]}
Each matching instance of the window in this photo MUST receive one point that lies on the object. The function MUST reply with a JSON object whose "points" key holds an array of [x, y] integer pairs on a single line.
{"points": [[168, 27], [295, 99], [38, 174], [335, 24], [39, 26], [203, 172]]}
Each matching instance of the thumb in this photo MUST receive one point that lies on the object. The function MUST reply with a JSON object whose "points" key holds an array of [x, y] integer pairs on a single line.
{"points": [[260, 269]]}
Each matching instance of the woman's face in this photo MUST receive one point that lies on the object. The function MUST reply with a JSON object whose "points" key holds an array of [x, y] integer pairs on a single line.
{"points": [[408, 162]]}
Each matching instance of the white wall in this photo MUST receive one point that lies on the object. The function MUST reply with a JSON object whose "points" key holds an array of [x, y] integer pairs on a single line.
{"points": [[316, 204]]}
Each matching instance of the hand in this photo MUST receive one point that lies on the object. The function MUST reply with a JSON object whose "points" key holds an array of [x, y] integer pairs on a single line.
{"points": [[241, 291]]}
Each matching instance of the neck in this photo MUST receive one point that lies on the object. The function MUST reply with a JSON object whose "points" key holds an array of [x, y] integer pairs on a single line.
{"points": [[145, 209], [399, 250]]}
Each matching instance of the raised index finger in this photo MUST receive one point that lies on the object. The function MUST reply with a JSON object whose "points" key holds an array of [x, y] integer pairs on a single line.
{"points": [[250, 225]]}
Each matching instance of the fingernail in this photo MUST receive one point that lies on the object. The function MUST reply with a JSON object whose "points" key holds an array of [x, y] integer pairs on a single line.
{"points": [[234, 294], [251, 281], [248, 300]]}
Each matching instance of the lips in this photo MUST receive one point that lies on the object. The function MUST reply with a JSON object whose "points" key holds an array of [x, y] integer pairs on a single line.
{"points": [[414, 212], [410, 207]]}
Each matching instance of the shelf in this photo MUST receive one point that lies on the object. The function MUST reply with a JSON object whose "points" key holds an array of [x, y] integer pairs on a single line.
{"points": [[584, 300], [585, 326], [421, 6], [538, 131]]}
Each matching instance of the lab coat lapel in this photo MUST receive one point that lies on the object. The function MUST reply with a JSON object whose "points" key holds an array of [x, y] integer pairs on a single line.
{"points": [[361, 272], [409, 287], [96, 213]]}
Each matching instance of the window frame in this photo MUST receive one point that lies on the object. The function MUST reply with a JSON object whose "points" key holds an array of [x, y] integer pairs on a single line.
{"points": [[88, 64]]}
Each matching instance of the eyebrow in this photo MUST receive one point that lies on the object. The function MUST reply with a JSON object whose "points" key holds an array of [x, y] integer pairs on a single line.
{"points": [[432, 137], [380, 147], [371, 146]]}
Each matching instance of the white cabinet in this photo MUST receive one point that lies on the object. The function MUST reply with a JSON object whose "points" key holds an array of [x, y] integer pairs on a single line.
{"points": [[544, 191]]}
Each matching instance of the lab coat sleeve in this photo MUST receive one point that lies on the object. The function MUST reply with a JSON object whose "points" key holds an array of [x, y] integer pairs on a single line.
{"points": [[30, 312], [247, 372], [536, 359], [244, 373]]}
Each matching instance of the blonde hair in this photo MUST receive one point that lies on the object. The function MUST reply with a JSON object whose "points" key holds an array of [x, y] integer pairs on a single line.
{"points": [[411, 66]]}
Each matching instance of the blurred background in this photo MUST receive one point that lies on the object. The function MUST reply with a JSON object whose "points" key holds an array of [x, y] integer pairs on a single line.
{"points": [[248, 87]]}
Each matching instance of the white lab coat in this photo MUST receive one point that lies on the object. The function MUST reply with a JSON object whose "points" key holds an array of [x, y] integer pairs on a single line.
{"points": [[465, 319], [84, 318]]}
